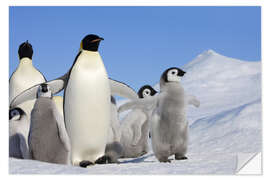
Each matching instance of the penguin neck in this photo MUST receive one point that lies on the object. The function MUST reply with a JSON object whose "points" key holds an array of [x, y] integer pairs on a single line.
{"points": [[171, 86], [26, 62], [90, 52]]}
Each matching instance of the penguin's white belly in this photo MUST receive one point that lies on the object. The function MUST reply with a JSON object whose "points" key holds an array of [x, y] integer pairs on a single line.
{"points": [[59, 104], [87, 108], [23, 78]]}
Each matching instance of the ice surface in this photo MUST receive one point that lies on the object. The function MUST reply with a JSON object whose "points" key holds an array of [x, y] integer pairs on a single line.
{"points": [[228, 122]]}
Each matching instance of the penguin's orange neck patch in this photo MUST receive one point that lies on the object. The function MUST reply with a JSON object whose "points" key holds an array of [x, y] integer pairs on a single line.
{"points": [[95, 40]]}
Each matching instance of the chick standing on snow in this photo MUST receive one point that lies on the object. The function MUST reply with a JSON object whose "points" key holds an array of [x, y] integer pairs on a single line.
{"points": [[48, 140], [169, 126], [135, 126]]}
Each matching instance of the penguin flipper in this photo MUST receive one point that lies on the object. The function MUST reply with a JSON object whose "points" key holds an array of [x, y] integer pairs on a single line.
{"points": [[137, 131], [192, 100], [123, 90], [138, 103], [26, 95], [55, 85]]}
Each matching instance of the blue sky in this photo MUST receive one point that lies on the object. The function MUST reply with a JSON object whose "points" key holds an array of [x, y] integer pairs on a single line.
{"points": [[140, 42]]}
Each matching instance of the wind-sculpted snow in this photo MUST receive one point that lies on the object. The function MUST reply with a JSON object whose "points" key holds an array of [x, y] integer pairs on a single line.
{"points": [[227, 122]]}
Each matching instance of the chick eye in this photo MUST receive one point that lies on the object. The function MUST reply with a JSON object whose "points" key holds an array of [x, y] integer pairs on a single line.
{"points": [[14, 113], [146, 92]]}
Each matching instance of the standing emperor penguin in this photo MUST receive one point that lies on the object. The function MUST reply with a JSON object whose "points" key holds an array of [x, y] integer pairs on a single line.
{"points": [[18, 134], [24, 77], [114, 149], [87, 106], [168, 125], [48, 139], [135, 126]]}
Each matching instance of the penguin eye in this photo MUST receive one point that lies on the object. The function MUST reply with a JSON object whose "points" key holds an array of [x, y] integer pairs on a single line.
{"points": [[14, 113], [173, 72], [146, 92]]}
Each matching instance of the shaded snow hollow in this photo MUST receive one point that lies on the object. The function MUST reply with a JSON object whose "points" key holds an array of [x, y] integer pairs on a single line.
{"points": [[228, 122]]}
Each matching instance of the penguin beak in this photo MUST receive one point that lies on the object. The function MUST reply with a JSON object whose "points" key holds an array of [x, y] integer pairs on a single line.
{"points": [[181, 74], [96, 40]]}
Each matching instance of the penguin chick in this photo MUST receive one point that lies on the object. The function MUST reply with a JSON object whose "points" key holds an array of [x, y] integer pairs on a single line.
{"points": [[48, 139], [169, 126], [135, 127], [18, 134]]}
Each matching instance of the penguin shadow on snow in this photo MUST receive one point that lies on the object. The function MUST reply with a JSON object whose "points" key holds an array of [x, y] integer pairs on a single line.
{"points": [[139, 160]]}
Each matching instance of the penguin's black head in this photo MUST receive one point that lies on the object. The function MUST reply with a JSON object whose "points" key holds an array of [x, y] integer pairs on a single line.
{"points": [[146, 91], [15, 112], [172, 74], [91, 42], [25, 50], [44, 88], [44, 91]]}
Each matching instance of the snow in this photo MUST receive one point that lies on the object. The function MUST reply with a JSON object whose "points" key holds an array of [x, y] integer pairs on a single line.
{"points": [[227, 123]]}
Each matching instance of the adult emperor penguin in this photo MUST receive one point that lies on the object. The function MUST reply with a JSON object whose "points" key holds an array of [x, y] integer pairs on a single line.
{"points": [[135, 127], [18, 134], [48, 139], [87, 95], [169, 126], [24, 77]]}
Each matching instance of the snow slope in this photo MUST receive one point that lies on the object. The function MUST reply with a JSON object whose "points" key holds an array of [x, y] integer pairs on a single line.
{"points": [[228, 122]]}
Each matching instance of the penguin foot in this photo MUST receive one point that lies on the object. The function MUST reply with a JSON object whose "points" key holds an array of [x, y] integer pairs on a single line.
{"points": [[165, 160], [103, 160], [85, 163], [143, 153], [180, 158]]}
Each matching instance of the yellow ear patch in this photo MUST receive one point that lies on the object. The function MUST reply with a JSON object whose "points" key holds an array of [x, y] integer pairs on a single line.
{"points": [[81, 45]]}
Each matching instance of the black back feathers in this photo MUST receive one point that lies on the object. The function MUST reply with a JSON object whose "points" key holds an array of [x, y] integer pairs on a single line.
{"points": [[25, 50], [91, 42]]}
